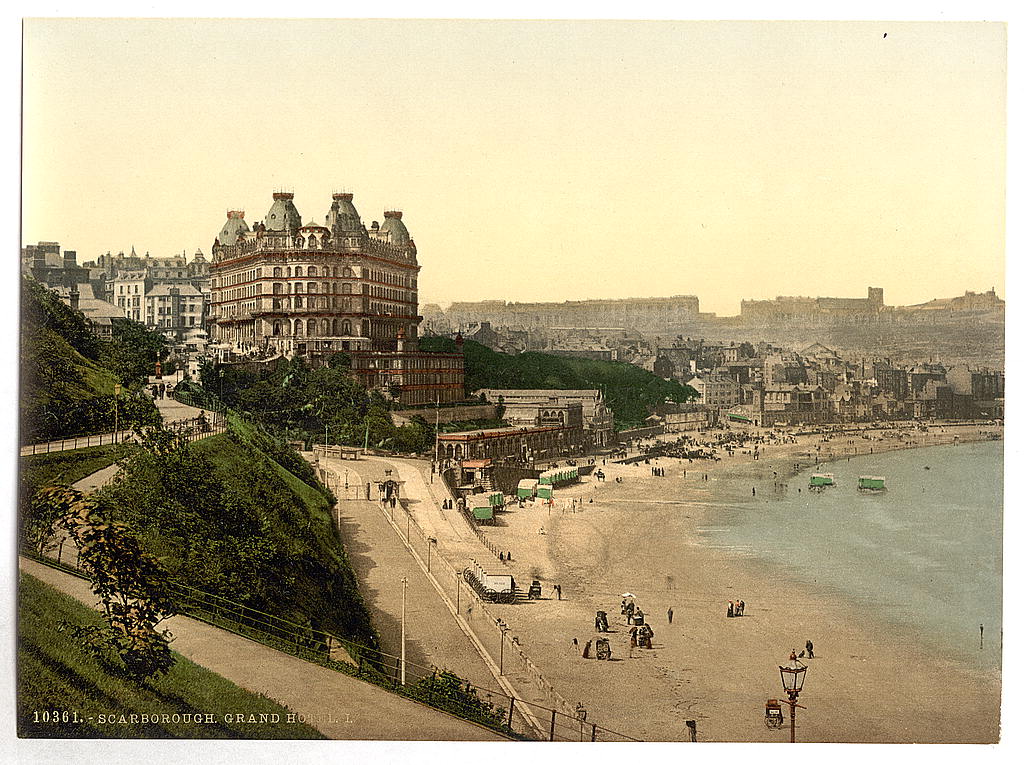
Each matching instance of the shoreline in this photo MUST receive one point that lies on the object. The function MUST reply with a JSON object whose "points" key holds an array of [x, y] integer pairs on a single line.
{"points": [[703, 666]]}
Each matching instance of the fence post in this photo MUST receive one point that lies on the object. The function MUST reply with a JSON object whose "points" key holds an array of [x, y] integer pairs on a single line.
{"points": [[511, 708], [593, 731], [551, 737]]}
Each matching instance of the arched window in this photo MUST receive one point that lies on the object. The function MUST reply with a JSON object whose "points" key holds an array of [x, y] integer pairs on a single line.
{"points": [[346, 289], [346, 272], [325, 327], [311, 288], [289, 272], [298, 301], [277, 328], [298, 327], [298, 288], [312, 242], [311, 271], [311, 327], [277, 272], [346, 327], [278, 288], [346, 304], [298, 270]]}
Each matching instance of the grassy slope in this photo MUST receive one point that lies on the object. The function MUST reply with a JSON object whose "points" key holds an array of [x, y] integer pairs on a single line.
{"points": [[65, 467], [55, 672], [324, 587]]}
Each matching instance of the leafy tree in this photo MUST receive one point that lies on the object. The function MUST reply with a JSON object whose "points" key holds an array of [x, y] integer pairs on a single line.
{"points": [[132, 585], [133, 352]]}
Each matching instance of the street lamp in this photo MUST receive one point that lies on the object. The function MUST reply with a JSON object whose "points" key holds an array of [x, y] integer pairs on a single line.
{"points": [[501, 653], [792, 684], [405, 586], [430, 541]]}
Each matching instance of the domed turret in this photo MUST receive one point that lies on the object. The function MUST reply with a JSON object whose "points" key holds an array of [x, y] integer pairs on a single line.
{"points": [[233, 226], [343, 216], [393, 230], [282, 215]]}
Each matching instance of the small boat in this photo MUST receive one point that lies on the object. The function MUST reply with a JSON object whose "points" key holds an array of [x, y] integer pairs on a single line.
{"points": [[871, 483], [822, 480]]}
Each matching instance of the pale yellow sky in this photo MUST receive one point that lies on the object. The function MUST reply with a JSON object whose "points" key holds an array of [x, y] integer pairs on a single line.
{"points": [[542, 160]]}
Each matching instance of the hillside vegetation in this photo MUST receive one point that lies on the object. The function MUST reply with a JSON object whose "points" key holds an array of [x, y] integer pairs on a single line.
{"points": [[305, 403], [57, 673], [242, 516], [68, 375], [630, 392]]}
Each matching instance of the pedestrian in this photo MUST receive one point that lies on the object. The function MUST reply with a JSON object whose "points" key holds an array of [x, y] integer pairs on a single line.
{"points": [[558, 589], [743, 607], [810, 649], [508, 555], [670, 614], [730, 612], [501, 557], [632, 641], [575, 645]]}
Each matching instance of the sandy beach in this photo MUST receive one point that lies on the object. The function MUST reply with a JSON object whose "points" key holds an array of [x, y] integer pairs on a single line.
{"points": [[867, 682]]}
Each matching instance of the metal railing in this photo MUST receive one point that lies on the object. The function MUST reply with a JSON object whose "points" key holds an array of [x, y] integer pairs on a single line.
{"points": [[77, 442], [502, 645], [430, 685]]}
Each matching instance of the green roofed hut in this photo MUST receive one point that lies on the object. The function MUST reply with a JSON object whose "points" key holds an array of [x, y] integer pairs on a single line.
{"points": [[871, 483], [483, 514], [822, 480], [527, 488]]}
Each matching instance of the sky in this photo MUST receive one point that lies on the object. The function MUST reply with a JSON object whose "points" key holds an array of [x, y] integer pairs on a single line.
{"points": [[544, 160]]}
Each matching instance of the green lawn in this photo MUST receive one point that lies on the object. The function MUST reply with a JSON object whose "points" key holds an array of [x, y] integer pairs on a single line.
{"points": [[57, 676], [40, 470]]}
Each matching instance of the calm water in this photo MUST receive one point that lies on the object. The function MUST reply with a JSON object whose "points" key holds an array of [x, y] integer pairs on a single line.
{"points": [[925, 555]]}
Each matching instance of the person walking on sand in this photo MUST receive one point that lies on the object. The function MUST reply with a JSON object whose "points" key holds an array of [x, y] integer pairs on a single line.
{"points": [[632, 641], [810, 649], [743, 607], [729, 612], [670, 614]]}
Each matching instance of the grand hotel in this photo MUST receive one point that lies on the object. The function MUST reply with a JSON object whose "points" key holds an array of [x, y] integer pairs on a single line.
{"points": [[285, 288]]}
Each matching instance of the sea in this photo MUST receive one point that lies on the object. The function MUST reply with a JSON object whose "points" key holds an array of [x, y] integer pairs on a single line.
{"points": [[924, 556]]}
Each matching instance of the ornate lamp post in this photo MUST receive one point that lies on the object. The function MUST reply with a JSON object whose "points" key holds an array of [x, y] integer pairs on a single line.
{"points": [[792, 684]]}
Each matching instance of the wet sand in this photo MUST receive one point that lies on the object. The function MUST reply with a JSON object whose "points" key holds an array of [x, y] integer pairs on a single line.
{"points": [[867, 682]]}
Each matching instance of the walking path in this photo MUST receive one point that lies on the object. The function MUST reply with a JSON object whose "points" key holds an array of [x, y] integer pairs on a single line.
{"points": [[380, 559], [339, 706]]}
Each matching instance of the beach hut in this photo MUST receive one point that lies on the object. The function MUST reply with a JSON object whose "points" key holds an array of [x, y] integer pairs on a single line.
{"points": [[496, 499], [483, 514], [871, 483], [544, 491], [821, 480], [527, 488]]}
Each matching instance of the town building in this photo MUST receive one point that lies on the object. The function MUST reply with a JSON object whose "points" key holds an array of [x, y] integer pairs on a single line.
{"points": [[716, 390], [535, 407], [526, 445], [289, 288]]}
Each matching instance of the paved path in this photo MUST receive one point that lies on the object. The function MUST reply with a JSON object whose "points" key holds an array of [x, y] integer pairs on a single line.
{"points": [[380, 559], [339, 706]]}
